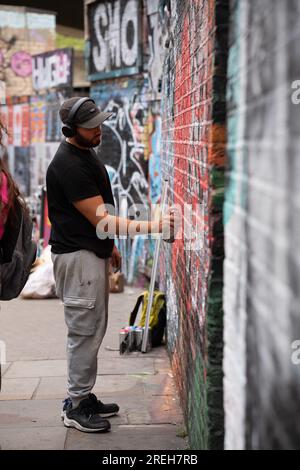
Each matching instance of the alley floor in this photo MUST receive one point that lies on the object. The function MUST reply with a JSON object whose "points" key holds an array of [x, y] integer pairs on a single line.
{"points": [[34, 380]]}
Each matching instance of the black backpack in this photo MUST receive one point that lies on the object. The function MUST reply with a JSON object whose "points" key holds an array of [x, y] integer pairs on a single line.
{"points": [[17, 253]]}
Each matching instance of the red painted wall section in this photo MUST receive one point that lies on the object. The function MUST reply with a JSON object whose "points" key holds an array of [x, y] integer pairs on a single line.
{"points": [[193, 158]]}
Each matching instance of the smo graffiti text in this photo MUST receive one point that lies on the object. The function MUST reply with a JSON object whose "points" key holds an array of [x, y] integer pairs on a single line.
{"points": [[114, 35]]}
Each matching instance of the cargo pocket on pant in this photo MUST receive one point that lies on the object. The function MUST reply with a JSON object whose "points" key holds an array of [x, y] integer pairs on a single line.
{"points": [[80, 315]]}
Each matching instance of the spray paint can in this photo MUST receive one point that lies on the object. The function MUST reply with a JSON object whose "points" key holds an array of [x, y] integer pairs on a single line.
{"points": [[130, 340], [138, 337], [123, 341], [126, 340], [149, 343], [172, 233]]}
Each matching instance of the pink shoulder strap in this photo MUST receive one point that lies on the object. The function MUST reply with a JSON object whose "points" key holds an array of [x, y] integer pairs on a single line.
{"points": [[4, 189]]}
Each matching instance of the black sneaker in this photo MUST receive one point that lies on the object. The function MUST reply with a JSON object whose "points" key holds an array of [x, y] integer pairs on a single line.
{"points": [[107, 410], [84, 418], [67, 404]]}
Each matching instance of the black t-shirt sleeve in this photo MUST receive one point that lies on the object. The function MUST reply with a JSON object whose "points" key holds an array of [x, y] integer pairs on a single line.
{"points": [[78, 183]]}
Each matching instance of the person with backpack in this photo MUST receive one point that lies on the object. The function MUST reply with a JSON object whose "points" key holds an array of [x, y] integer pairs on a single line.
{"points": [[17, 250], [82, 243], [8, 189]]}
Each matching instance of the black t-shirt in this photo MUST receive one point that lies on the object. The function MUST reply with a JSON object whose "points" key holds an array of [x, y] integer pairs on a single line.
{"points": [[75, 174]]}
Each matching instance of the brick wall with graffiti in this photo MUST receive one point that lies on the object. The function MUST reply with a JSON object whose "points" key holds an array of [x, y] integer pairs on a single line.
{"points": [[261, 271], [193, 159], [124, 59]]}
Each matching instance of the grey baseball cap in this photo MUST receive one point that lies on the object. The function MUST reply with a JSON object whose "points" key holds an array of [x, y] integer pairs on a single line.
{"points": [[88, 115]]}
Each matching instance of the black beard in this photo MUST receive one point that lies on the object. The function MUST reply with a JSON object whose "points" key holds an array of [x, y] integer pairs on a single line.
{"points": [[84, 142]]}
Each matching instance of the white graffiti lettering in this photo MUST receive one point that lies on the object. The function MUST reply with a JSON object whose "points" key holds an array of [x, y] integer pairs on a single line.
{"points": [[114, 35], [155, 64], [50, 70]]}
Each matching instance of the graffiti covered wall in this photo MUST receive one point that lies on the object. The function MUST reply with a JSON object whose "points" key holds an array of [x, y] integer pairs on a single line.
{"points": [[34, 134], [261, 272], [129, 139], [37, 79], [156, 50], [22, 34], [121, 41], [125, 137], [52, 69], [193, 158], [114, 38]]}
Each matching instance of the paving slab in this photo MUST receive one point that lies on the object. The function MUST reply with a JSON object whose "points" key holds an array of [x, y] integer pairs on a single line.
{"points": [[38, 413], [34, 384], [154, 410], [33, 329], [122, 365], [50, 368], [30, 413], [106, 385], [151, 437], [161, 365], [18, 389], [44, 438], [159, 384]]}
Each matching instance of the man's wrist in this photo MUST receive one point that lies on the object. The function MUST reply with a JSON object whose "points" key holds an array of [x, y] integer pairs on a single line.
{"points": [[155, 226], [144, 227]]}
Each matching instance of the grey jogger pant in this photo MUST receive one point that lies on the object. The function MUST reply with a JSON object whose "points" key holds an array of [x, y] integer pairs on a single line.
{"points": [[82, 285]]}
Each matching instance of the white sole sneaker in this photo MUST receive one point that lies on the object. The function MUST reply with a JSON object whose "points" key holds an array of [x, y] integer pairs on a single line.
{"points": [[71, 423], [103, 415]]}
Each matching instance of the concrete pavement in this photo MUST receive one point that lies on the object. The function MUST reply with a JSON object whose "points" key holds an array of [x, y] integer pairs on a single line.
{"points": [[34, 381]]}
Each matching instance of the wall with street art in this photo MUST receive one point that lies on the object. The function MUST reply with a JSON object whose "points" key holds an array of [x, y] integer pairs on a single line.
{"points": [[261, 271], [52, 69], [125, 138], [33, 137], [37, 79], [193, 158], [131, 138], [115, 38], [130, 150], [23, 33]]}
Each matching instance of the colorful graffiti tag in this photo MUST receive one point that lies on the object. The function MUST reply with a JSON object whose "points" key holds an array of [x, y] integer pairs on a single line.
{"points": [[124, 142], [130, 150], [52, 69], [33, 137]]}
